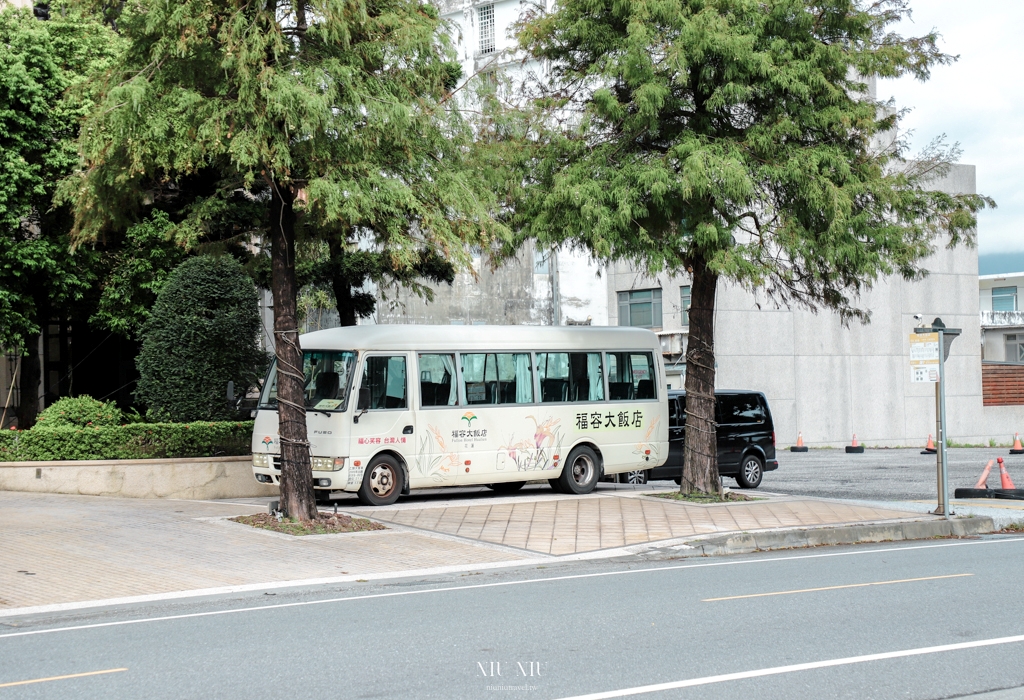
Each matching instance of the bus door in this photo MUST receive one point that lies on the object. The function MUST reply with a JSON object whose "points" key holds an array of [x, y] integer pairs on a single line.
{"points": [[388, 421]]}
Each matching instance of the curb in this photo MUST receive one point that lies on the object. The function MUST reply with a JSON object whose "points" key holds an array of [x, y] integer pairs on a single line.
{"points": [[745, 543]]}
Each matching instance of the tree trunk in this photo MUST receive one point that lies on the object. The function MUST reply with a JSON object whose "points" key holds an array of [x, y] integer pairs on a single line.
{"points": [[28, 383], [700, 456], [297, 498], [340, 284]]}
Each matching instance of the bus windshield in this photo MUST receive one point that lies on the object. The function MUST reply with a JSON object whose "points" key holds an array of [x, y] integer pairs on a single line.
{"points": [[328, 374]]}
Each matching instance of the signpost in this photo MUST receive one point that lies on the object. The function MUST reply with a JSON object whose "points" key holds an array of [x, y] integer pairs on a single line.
{"points": [[928, 364]]}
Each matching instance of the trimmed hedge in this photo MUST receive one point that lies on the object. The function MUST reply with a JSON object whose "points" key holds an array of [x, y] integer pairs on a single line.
{"points": [[133, 441], [79, 412]]}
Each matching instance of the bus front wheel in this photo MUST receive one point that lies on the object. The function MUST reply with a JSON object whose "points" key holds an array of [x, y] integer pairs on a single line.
{"points": [[383, 482], [580, 472]]}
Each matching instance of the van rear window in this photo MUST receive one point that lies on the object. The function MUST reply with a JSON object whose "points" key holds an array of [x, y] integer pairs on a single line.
{"points": [[739, 409]]}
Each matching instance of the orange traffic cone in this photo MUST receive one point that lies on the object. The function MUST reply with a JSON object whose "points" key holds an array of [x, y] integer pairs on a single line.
{"points": [[1017, 448], [855, 447], [1004, 476], [981, 489], [799, 446], [983, 481], [929, 449]]}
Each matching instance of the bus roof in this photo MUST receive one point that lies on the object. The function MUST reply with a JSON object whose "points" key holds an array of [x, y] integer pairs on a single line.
{"points": [[423, 337]]}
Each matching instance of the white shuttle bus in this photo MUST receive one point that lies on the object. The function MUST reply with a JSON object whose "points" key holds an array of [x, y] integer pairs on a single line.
{"points": [[396, 407]]}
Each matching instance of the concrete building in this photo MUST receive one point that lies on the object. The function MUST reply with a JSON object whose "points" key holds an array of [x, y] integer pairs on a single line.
{"points": [[821, 378], [1002, 320]]}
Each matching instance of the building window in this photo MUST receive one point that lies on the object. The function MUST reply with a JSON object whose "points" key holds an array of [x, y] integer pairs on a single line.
{"points": [[640, 308], [485, 16], [1014, 347], [684, 305], [1004, 298], [541, 259]]}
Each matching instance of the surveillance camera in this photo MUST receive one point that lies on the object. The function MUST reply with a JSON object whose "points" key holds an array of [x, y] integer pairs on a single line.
{"points": [[918, 317]]}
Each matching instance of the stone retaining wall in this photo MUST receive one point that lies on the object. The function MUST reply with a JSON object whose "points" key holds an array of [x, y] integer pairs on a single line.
{"points": [[199, 478]]}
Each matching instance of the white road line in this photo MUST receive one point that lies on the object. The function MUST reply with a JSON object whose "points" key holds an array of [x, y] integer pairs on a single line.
{"points": [[498, 584], [776, 670]]}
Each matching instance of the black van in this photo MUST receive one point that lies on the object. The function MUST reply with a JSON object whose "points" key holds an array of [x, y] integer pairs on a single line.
{"points": [[746, 438]]}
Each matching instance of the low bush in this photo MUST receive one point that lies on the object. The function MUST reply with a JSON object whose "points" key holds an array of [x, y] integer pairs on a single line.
{"points": [[133, 441], [79, 412]]}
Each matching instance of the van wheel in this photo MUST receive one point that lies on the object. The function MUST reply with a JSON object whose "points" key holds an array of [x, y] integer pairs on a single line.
{"points": [[751, 472], [507, 486], [636, 477], [580, 471], [383, 482]]}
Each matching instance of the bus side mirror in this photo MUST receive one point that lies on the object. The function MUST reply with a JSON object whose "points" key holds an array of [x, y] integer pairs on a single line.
{"points": [[363, 402]]}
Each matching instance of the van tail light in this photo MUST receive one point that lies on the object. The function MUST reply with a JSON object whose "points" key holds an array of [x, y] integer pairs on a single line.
{"points": [[773, 438]]}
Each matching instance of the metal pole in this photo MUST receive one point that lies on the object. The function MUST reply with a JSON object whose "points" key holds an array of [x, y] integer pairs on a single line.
{"points": [[942, 413], [938, 452]]}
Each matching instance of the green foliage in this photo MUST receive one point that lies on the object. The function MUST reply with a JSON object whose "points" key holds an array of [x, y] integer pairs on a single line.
{"points": [[730, 134], [340, 109], [79, 412], [137, 270], [133, 441], [203, 332], [42, 98]]}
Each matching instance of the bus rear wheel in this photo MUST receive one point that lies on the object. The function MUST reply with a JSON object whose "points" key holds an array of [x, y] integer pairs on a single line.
{"points": [[580, 472], [383, 482]]}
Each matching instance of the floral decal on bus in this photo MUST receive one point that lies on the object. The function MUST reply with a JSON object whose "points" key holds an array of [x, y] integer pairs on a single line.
{"points": [[532, 454], [434, 458], [647, 450]]}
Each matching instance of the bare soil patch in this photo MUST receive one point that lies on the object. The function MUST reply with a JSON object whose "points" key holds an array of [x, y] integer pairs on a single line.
{"points": [[325, 524], [705, 498]]}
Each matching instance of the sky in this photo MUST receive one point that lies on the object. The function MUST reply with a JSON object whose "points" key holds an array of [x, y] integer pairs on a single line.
{"points": [[977, 101]]}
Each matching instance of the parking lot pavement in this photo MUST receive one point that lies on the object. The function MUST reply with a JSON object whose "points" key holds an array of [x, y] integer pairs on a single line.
{"points": [[882, 474]]}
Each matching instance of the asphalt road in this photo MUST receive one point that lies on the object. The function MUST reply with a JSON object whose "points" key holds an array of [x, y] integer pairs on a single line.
{"points": [[882, 474], [578, 628]]}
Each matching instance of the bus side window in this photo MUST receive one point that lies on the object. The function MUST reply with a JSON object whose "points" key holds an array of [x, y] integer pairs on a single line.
{"points": [[553, 372], [587, 382], [437, 380], [385, 378]]}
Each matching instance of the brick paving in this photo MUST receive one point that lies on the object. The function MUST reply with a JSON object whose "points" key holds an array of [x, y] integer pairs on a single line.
{"points": [[75, 548], [64, 549], [585, 524]]}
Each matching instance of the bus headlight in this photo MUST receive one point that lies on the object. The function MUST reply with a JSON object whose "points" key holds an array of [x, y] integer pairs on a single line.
{"points": [[328, 464], [261, 460]]}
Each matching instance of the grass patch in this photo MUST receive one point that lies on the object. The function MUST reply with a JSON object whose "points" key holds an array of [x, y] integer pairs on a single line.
{"points": [[1013, 528], [324, 525], [705, 498]]}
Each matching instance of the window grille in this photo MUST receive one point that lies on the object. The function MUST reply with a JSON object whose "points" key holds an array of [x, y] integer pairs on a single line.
{"points": [[485, 17]]}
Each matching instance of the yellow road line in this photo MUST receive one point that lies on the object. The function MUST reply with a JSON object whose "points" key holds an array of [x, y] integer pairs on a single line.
{"points": [[834, 588], [61, 678]]}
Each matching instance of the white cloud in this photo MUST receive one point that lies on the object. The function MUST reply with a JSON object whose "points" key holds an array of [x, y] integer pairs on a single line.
{"points": [[977, 101]]}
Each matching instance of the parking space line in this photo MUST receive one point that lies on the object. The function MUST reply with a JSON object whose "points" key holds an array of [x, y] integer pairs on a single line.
{"points": [[834, 588], [777, 670], [62, 678]]}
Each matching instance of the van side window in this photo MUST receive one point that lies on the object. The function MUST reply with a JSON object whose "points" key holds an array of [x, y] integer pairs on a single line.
{"points": [[631, 376], [497, 378], [739, 409], [437, 381], [384, 376]]}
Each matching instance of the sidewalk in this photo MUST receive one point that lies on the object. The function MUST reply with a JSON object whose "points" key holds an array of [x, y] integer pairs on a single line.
{"points": [[61, 551]]}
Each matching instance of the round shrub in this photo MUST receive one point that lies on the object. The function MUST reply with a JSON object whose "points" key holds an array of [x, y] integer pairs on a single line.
{"points": [[79, 412], [203, 332]]}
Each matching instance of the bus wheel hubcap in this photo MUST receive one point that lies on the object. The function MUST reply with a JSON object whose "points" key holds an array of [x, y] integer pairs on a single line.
{"points": [[382, 480], [582, 469]]}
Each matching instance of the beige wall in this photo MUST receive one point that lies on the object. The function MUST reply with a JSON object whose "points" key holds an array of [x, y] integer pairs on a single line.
{"points": [[201, 478]]}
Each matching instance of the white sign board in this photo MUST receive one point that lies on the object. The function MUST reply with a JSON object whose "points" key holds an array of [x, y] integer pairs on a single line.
{"points": [[924, 357]]}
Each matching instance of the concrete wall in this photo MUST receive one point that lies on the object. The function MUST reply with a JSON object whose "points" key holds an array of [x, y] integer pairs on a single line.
{"points": [[201, 478], [515, 294]]}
